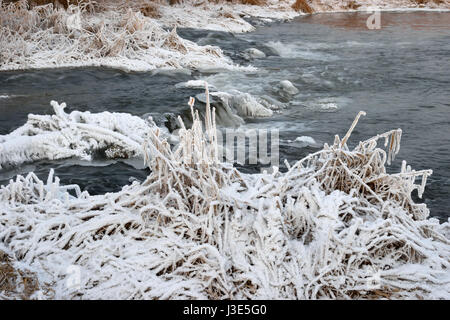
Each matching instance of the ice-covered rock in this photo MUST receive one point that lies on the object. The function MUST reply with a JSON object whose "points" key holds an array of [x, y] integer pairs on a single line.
{"points": [[245, 104], [272, 103], [288, 87], [78, 134], [225, 115], [195, 84], [253, 53]]}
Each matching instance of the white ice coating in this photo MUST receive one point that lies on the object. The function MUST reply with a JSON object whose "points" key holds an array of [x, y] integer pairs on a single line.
{"points": [[306, 139], [223, 16], [245, 104], [253, 53], [336, 225], [194, 84], [116, 135], [288, 87], [78, 134], [235, 104]]}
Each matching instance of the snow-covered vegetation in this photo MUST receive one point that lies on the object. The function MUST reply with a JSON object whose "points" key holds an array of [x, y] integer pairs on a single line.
{"points": [[47, 36], [335, 225]]}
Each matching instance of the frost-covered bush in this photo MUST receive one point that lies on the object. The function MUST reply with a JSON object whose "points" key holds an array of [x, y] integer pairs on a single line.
{"points": [[335, 225], [123, 37]]}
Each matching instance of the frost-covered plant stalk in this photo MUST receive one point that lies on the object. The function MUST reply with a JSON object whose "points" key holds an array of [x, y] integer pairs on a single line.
{"points": [[335, 225]]}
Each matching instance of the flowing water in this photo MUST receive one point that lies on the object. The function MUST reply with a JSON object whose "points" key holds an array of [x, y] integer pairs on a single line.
{"points": [[398, 74]]}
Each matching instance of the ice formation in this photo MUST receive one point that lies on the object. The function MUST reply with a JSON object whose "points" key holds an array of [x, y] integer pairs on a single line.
{"points": [[224, 15], [78, 134], [306, 139], [335, 225], [288, 87], [194, 84], [245, 104], [253, 53]]}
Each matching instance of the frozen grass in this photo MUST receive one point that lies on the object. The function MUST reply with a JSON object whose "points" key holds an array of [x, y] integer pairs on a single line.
{"points": [[303, 6], [78, 134], [125, 38], [198, 228], [16, 283]]}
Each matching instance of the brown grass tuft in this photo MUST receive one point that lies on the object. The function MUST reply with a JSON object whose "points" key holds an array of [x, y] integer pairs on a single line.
{"points": [[352, 5], [254, 2], [15, 283], [150, 10], [56, 3], [247, 2], [427, 1], [303, 6]]}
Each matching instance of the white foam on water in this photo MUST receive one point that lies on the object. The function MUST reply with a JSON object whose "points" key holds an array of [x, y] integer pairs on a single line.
{"points": [[197, 231], [298, 51], [306, 139]]}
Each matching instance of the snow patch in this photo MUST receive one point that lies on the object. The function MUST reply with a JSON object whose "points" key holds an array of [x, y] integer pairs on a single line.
{"points": [[298, 51]]}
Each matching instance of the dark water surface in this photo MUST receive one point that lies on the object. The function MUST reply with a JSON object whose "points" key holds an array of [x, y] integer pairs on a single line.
{"points": [[399, 75]]}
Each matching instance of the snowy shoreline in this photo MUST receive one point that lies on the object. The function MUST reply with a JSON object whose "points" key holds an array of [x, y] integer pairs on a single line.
{"points": [[131, 41]]}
